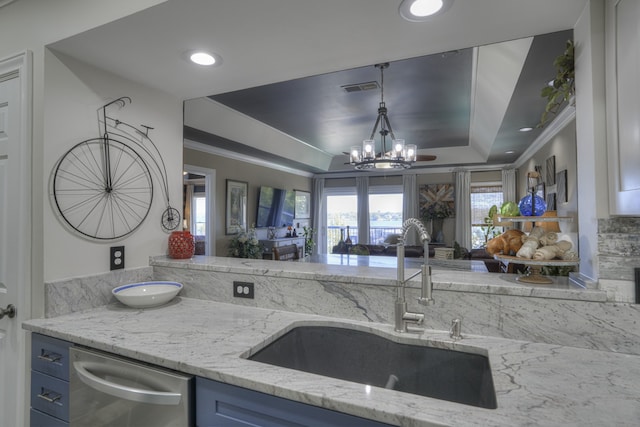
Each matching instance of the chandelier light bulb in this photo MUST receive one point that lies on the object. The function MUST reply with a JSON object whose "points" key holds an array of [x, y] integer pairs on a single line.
{"points": [[398, 148], [411, 153]]}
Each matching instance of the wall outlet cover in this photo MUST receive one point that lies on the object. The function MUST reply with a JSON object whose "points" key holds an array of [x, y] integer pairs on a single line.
{"points": [[243, 290], [116, 258]]}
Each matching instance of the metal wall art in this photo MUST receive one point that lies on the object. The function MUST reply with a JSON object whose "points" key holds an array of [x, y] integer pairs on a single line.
{"points": [[102, 187]]}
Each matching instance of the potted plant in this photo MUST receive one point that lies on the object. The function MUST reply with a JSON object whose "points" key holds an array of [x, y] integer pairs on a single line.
{"points": [[562, 88], [245, 245], [308, 233], [488, 229]]}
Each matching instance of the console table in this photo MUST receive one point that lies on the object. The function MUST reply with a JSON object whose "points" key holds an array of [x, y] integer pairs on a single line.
{"points": [[269, 244]]}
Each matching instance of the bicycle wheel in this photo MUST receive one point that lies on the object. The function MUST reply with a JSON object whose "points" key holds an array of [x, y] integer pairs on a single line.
{"points": [[102, 189]]}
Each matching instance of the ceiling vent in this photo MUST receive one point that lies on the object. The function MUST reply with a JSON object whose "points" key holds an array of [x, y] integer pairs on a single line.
{"points": [[359, 87]]}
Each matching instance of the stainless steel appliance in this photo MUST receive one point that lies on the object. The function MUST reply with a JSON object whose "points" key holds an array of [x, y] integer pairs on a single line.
{"points": [[107, 390]]}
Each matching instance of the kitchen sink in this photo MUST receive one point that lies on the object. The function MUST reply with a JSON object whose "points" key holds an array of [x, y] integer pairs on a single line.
{"points": [[370, 359]]}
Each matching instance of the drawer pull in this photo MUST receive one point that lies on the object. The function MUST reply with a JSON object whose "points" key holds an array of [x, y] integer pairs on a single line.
{"points": [[50, 396], [50, 357]]}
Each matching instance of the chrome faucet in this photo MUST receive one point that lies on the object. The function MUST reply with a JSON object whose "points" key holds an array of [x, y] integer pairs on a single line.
{"points": [[402, 316]]}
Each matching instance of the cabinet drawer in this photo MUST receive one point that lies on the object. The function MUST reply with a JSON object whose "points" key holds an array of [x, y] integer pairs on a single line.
{"points": [[50, 356], [50, 395], [224, 405], [40, 419]]}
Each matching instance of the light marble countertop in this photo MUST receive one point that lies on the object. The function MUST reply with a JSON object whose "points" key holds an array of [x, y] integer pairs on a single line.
{"points": [[536, 384], [454, 275]]}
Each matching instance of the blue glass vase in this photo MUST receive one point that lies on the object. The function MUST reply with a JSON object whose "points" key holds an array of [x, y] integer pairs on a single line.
{"points": [[526, 205]]}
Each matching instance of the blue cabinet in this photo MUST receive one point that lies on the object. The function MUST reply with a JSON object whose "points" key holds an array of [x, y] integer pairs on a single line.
{"points": [[49, 382], [224, 405]]}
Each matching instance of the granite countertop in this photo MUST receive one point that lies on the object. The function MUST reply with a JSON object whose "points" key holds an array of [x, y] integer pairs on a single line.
{"points": [[448, 275], [536, 384]]}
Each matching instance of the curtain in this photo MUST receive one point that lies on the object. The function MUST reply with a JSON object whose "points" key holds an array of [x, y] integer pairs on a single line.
{"points": [[319, 219], [410, 204], [463, 208], [509, 185], [362, 191]]}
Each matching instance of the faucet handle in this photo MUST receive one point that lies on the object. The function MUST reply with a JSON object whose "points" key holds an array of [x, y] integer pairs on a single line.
{"points": [[426, 301], [410, 317]]}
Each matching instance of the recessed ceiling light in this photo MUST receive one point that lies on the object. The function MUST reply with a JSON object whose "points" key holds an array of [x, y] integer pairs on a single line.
{"points": [[509, 152], [422, 10], [203, 58], [525, 129]]}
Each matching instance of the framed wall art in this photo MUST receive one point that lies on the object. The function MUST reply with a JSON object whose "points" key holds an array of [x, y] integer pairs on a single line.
{"points": [[236, 207], [550, 176], [437, 201], [551, 201], [561, 187], [303, 205]]}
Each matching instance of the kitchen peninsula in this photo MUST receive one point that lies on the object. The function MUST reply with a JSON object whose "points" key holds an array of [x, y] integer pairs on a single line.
{"points": [[536, 384]]}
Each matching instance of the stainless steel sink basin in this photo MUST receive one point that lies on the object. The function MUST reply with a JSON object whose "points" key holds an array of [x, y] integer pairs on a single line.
{"points": [[367, 358]]}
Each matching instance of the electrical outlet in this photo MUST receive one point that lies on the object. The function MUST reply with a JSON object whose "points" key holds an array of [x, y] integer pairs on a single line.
{"points": [[243, 289], [116, 258]]}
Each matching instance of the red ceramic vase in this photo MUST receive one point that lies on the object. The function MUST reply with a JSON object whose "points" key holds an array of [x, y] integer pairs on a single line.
{"points": [[181, 245]]}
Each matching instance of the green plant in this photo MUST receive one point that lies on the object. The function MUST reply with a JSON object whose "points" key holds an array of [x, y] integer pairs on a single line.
{"points": [[308, 233], [436, 210], [555, 270], [488, 229], [562, 87], [245, 245], [459, 252]]}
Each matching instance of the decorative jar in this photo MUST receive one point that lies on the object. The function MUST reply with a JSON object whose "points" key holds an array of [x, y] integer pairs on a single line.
{"points": [[181, 245], [529, 206]]}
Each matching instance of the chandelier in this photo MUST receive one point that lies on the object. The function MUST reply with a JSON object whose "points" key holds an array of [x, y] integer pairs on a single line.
{"points": [[398, 156]]}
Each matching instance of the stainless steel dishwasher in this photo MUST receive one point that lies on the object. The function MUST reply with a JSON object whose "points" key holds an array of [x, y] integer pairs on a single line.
{"points": [[106, 390]]}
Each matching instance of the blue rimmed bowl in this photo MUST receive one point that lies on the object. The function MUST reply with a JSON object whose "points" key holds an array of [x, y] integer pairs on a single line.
{"points": [[147, 294]]}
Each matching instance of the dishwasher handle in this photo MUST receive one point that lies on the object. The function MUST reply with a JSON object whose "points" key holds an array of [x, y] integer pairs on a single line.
{"points": [[125, 392]]}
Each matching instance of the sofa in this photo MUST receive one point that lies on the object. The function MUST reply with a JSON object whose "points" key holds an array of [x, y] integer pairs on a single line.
{"points": [[381, 250]]}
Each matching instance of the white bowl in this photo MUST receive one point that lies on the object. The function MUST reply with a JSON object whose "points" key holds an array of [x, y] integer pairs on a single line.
{"points": [[146, 294]]}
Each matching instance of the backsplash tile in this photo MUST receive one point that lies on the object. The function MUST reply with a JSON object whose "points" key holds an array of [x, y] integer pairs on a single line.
{"points": [[618, 248], [583, 324], [82, 293]]}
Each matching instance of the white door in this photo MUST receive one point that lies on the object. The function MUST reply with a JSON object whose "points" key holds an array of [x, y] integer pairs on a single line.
{"points": [[15, 239], [210, 208]]}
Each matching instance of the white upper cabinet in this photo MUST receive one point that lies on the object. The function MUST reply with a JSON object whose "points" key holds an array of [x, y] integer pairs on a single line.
{"points": [[623, 105]]}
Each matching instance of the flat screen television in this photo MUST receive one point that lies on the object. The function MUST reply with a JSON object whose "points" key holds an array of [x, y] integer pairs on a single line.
{"points": [[276, 207]]}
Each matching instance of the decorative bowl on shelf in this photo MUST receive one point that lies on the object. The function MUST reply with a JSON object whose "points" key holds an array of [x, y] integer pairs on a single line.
{"points": [[147, 294]]}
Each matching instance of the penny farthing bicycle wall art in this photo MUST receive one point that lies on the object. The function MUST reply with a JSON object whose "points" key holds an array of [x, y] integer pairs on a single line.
{"points": [[102, 188]]}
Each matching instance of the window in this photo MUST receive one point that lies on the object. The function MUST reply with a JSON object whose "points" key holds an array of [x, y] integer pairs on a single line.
{"points": [[342, 211], [199, 214], [483, 196], [385, 212]]}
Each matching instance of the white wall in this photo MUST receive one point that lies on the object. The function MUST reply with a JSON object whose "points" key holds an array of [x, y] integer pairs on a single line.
{"points": [[591, 133], [74, 92], [29, 25]]}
